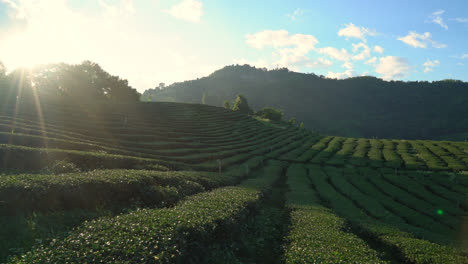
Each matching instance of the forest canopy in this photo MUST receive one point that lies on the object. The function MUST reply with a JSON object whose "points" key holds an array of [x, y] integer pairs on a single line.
{"points": [[86, 81]]}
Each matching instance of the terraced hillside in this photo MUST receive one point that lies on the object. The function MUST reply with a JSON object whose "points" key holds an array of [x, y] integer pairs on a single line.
{"points": [[185, 183]]}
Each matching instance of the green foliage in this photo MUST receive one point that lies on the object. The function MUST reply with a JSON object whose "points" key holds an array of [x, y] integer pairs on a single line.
{"points": [[75, 83], [260, 240], [317, 235], [24, 231], [333, 146], [241, 105], [301, 126], [315, 148], [61, 166], [341, 157], [114, 189], [381, 198], [226, 104], [178, 234], [271, 113], [292, 121], [379, 211], [36, 159]]}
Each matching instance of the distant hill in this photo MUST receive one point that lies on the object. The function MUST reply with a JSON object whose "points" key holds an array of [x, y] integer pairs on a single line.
{"points": [[358, 107]]}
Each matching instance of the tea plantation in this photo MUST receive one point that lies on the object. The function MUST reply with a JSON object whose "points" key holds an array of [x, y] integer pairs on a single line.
{"points": [[188, 183]]}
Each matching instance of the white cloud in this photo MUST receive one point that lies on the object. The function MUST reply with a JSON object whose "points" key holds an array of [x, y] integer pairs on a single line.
{"points": [[429, 65], [348, 65], [460, 64], [280, 38], [461, 20], [420, 40], [352, 31], [340, 55], [391, 67], [17, 12], [436, 18], [372, 60], [378, 49], [342, 75], [365, 51], [298, 12], [319, 63], [189, 10], [291, 50], [461, 57]]}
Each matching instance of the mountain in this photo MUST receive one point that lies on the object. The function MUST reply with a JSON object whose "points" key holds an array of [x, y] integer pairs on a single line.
{"points": [[358, 107]]}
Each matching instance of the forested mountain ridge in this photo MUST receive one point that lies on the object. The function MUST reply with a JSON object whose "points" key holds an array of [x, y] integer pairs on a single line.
{"points": [[358, 107]]}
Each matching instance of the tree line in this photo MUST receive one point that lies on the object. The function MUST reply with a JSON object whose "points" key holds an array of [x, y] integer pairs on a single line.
{"points": [[84, 82]]}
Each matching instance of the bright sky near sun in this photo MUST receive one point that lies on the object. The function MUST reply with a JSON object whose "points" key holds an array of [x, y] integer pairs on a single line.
{"points": [[148, 42]]}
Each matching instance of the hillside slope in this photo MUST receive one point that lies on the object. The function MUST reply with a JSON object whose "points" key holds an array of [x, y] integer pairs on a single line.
{"points": [[191, 183], [356, 107]]}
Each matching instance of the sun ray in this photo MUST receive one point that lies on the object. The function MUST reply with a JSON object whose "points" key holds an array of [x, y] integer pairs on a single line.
{"points": [[19, 84], [37, 103]]}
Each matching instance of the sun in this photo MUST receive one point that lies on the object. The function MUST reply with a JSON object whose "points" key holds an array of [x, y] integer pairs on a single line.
{"points": [[30, 49], [28, 55], [25, 61]]}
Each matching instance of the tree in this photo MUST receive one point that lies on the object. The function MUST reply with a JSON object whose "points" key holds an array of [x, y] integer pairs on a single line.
{"points": [[242, 105], [271, 113], [161, 86], [302, 125], [3, 70], [292, 121], [80, 82], [226, 104], [3, 88], [203, 99]]}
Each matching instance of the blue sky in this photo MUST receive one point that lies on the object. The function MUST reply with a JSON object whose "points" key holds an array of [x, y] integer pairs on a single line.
{"points": [[148, 42]]}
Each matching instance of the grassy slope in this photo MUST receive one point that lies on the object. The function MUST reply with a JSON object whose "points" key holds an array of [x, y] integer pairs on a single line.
{"points": [[76, 166]]}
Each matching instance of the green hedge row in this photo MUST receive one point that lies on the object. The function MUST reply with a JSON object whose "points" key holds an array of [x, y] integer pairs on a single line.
{"points": [[453, 162], [338, 178], [416, 222], [392, 159], [316, 148], [333, 146], [297, 152], [359, 157], [417, 188], [413, 246], [171, 235], [317, 235], [432, 161], [114, 189], [411, 161], [444, 185], [340, 158], [416, 250], [35, 159], [444, 224]]}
